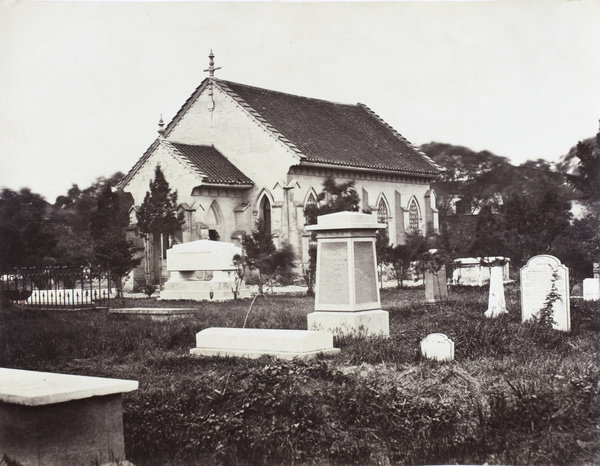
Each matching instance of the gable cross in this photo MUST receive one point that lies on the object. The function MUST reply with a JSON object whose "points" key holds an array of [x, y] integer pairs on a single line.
{"points": [[211, 65]]}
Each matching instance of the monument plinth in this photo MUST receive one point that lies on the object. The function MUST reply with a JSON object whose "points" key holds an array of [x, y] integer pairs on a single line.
{"points": [[346, 293]]}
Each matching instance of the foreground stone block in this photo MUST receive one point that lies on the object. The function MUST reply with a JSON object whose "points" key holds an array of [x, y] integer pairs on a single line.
{"points": [[437, 346], [254, 343], [57, 419]]}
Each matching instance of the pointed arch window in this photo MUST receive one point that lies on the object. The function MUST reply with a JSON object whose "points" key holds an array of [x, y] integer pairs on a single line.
{"points": [[382, 213], [413, 217], [265, 211], [311, 201], [213, 220]]}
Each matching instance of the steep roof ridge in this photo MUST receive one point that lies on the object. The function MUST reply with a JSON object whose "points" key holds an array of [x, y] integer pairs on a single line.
{"points": [[400, 137], [139, 163], [185, 107], [274, 132], [183, 159], [325, 101]]}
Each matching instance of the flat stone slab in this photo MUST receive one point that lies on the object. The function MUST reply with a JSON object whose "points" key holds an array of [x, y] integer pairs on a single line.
{"points": [[32, 388], [254, 343], [154, 310]]}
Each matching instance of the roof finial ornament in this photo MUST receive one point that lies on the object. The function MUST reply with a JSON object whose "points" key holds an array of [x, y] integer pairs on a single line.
{"points": [[161, 127], [211, 65]]}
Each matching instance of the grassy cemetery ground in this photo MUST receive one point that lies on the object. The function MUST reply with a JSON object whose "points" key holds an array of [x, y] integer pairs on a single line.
{"points": [[515, 394]]}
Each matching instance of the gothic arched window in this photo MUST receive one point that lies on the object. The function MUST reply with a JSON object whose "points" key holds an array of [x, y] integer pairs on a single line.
{"points": [[413, 217], [265, 211], [382, 213]]}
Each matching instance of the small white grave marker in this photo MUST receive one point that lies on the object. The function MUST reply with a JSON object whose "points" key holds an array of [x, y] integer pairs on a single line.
{"points": [[437, 346], [591, 289]]}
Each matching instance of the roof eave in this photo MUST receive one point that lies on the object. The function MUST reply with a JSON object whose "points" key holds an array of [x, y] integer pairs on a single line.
{"points": [[226, 185], [386, 171]]}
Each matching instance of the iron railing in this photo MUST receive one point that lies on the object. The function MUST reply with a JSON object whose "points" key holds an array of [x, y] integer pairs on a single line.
{"points": [[58, 287]]}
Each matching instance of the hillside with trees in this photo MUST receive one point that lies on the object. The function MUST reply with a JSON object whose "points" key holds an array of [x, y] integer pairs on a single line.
{"points": [[488, 206]]}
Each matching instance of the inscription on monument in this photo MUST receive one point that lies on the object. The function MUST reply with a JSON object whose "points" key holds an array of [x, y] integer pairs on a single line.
{"points": [[539, 277], [365, 272], [333, 276]]}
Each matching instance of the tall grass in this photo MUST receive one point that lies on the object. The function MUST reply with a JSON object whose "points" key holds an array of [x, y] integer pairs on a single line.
{"points": [[515, 394]]}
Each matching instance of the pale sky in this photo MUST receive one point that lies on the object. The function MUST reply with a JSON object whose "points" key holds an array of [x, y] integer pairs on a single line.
{"points": [[83, 84]]}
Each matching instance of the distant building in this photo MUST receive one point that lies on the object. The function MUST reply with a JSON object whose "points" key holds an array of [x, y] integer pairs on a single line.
{"points": [[236, 153]]}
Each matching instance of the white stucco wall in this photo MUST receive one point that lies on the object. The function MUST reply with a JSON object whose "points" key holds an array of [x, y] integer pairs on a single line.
{"points": [[179, 177], [238, 136]]}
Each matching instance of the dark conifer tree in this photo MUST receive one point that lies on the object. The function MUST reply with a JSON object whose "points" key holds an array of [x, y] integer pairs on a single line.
{"points": [[158, 212], [158, 216]]}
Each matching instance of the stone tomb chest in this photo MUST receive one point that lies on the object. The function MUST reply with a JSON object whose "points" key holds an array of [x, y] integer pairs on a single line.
{"points": [[476, 271], [545, 280], [202, 270], [60, 419]]}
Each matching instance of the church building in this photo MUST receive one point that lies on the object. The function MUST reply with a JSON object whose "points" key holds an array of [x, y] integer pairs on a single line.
{"points": [[237, 153]]}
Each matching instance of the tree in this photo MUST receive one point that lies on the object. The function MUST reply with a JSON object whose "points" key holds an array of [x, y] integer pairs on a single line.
{"points": [[333, 198], [111, 248], [382, 251], [71, 218], [158, 216], [587, 178], [402, 255], [531, 227], [578, 247], [25, 236], [488, 239], [461, 163], [262, 255]]}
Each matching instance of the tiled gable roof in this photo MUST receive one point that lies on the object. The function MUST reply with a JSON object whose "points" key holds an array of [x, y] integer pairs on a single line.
{"points": [[213, 165], [332, 133]]}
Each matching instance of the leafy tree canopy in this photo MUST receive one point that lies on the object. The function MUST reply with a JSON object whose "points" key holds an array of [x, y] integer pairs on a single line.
{"points": [[108, 229], [333, 198], [461, 163], [25, 235], [585, 176]]}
